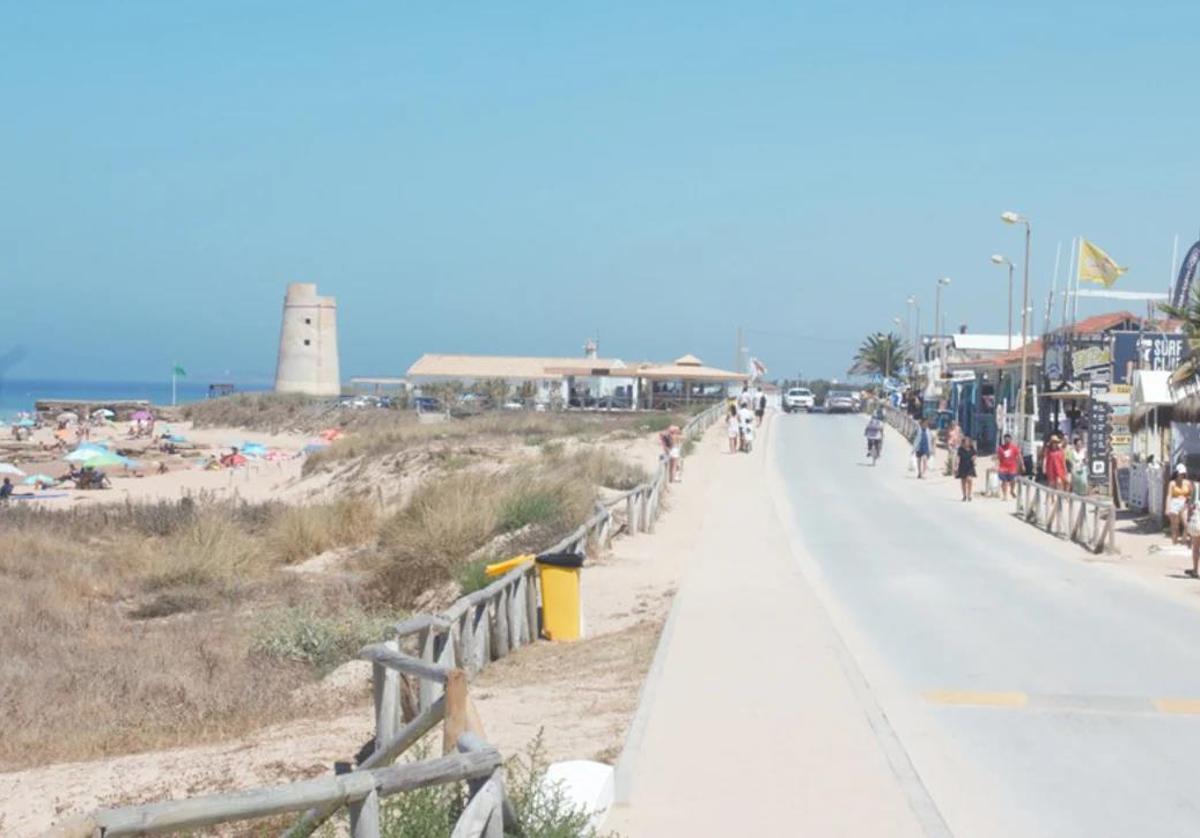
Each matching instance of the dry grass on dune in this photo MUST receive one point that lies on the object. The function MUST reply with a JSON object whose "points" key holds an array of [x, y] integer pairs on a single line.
{"points": [[400, 433], [259, 412], [438, 535], [148, 626], [125, 628]]}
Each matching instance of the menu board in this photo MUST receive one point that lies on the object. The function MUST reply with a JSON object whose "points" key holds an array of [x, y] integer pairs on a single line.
{"points": [[1099, 440], [1120, 439]]}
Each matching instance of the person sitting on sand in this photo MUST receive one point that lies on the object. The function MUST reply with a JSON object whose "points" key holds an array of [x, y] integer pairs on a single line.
{"points": [[162, 467], [231, 459]]}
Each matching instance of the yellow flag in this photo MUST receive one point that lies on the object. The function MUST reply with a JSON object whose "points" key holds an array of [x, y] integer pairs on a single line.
{"points": [[1097, 266]]}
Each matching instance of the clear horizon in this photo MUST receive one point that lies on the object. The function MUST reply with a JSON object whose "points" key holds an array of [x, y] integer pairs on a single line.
{"points": [[515, 181]]}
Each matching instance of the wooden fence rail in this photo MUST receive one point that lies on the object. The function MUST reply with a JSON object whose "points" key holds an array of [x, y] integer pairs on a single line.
{"points": [[1091, 522], [443, 651], [901, 421]]}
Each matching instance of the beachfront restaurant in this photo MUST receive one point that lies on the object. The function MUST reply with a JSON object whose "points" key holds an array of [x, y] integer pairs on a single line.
{"points": [[587, 383]]}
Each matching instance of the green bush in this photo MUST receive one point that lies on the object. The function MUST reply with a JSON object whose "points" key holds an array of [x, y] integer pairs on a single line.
{"points": [[323, 642], [471, 576], [542, 812], [528, 505]]}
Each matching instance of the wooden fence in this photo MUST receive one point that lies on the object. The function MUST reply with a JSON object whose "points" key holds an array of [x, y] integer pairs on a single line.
{"points": [[901, 421], [1091, 522], [420, 672]]}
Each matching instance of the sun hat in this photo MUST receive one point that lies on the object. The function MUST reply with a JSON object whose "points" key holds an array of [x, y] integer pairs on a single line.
{"points": [[1181, 469]]}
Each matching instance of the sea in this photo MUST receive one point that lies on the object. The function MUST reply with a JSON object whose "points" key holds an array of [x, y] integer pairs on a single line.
{"points": [[18, 395]]}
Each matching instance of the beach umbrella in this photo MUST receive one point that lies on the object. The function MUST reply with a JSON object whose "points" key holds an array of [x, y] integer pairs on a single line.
{"points": [[9, 468], [103, 413], [68, 416], [45, 479], [107, 458], [92, 446], [254, 449], [142, 416], [24, 423], [275, 456]]}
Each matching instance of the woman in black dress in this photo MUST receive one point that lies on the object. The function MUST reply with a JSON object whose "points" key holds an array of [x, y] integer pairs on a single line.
{"points": [[966, 467]]}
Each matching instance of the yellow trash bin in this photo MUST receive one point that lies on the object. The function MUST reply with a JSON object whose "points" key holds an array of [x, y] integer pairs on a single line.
{"points": [[562, 612]]}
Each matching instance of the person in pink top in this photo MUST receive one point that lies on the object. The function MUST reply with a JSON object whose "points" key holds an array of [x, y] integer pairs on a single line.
{"points": [[1008, 463]]}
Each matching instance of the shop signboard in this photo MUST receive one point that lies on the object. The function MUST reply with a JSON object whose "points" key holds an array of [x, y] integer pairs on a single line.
{"points": [[1077, 359], [1146, 351], [1099, 431]]}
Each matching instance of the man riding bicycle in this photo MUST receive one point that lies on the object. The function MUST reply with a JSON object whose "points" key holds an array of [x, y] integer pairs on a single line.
{"points": [[874, 435]]}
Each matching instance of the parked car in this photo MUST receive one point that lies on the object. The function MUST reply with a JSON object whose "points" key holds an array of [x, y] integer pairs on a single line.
{"points": [[426, 404], [798, 398], [840, 401]]}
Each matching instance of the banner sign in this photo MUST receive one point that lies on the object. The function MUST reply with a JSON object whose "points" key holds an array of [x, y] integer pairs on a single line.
{"points": [[1077, 359], [1099, 429], [1158, 351], [1187, 273]]}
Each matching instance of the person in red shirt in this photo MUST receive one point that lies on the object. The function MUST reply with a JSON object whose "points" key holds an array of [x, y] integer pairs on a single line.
{"points": [[1008, 463]]}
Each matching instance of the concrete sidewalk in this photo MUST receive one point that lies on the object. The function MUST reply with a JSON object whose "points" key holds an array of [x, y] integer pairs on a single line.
{"points": [[754, 719]]}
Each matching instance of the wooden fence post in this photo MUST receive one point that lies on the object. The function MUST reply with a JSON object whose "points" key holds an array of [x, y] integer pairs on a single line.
{"points": [[500, 645], [385, 683], [456, 721], [531, 600], [364, 816]]}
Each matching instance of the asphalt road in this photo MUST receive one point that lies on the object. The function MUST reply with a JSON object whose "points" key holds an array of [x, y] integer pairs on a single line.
{"points": [[1036, 692]]}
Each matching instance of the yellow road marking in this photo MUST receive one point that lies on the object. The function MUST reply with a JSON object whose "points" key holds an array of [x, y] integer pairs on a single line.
{"points": [[1178, 706], [977, 698]]}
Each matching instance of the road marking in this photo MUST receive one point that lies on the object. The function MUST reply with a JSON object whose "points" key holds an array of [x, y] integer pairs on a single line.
{"points": [[1113, 705], [1178, 706], [977, 698]]}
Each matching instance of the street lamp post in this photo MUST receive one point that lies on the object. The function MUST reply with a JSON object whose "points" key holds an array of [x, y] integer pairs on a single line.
{"points": [[1004, 260], [1016, 218], [937, 314], [916, 331], [892, 344]]}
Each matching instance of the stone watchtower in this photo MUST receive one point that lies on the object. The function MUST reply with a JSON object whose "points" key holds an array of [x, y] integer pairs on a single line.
{"points": [[308, 349]]}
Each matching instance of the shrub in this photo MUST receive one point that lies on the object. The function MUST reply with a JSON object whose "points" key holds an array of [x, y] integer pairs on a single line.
{"points": [[322, 642], [528, 505], [298, 532], [472, 577], [542, 810]]}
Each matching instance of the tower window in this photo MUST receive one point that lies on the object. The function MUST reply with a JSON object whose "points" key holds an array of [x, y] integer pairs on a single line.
{"points": [[307, 342]]}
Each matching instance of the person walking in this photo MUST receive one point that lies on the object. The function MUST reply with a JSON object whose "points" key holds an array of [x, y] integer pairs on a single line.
{"points": [[923, 448], [675, 454], [760, 407], [954, 438], [1179, 495], [1077, 466], [1055, 464], [733, 429], [965, 467], [1008, 464]]}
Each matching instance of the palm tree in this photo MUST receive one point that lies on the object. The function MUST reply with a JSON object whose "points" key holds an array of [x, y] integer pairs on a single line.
{"points": [[880, 354]]}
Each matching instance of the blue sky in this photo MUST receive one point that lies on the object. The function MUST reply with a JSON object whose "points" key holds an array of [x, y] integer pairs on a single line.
{"points": [[513, 178]]}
